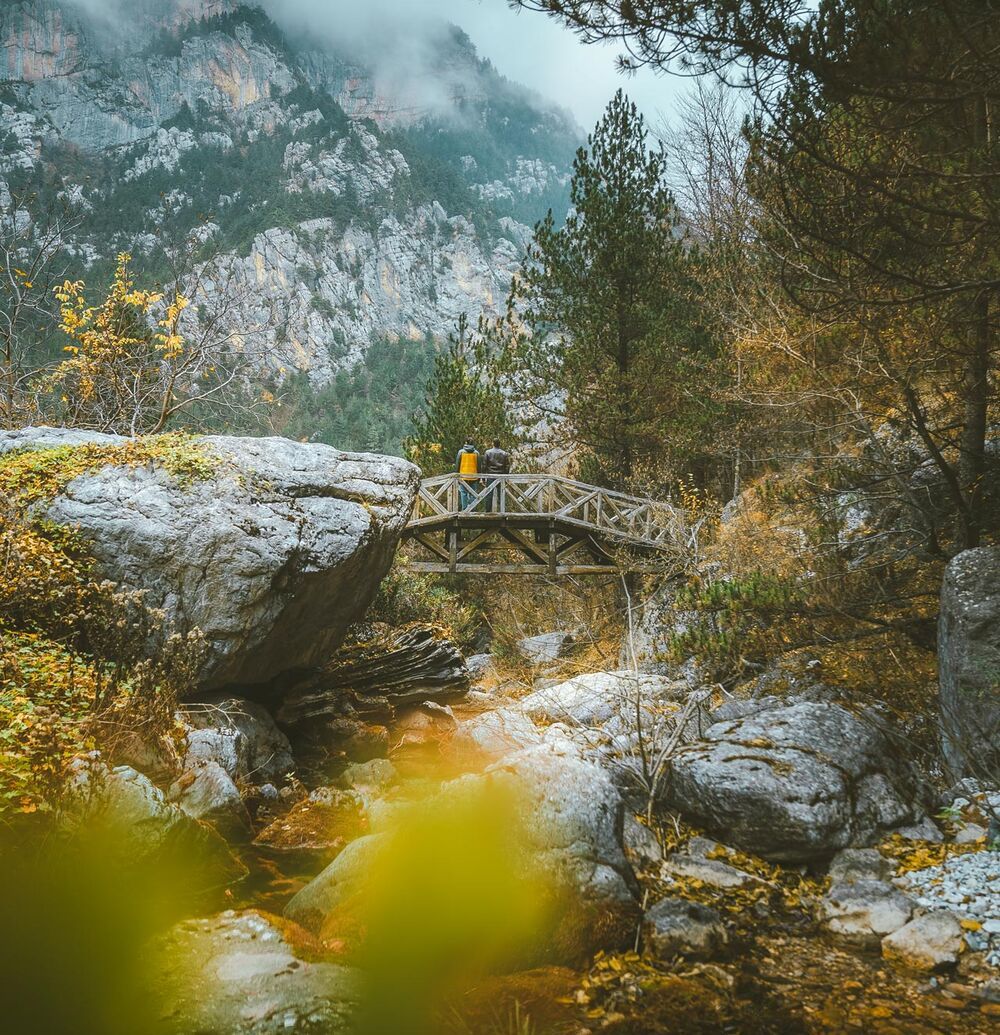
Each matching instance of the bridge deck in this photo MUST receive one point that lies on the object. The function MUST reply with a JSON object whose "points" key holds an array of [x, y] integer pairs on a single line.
{"points": [[555, 525]]}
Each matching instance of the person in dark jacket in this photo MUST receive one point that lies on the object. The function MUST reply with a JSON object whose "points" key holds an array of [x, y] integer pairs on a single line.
{"points": [[467, 467], [496, 460]]}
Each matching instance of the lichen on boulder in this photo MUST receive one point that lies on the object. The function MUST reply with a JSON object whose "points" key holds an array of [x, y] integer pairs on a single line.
{"points": [[271, 547]]}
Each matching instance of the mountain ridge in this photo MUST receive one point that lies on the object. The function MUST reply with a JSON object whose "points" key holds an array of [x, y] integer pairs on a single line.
{"points": [[317, 192]]}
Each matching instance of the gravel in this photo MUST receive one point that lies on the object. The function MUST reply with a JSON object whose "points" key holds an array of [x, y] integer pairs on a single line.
{"points": [[968, 885]]}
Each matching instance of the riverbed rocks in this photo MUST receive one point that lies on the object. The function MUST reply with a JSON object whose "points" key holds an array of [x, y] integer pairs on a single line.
{"points": [[239, 735], [207, 792], [139, 823], [597, 697], [242, 972], [320, 824], [566, 828], [545, 648], [496, 733], [572, 816], [272, 554], [929, 942], [795, 783], [969, 661], [677, 927], [863, 912], [967, 885], [704, 861], [343, 878]]}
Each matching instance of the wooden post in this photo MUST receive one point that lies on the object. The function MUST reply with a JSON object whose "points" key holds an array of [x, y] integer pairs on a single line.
{"points": [[453, 550], [553, 555]]}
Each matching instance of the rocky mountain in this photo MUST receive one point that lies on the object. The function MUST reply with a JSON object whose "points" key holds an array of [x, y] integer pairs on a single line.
{"points": [[337, 203]]}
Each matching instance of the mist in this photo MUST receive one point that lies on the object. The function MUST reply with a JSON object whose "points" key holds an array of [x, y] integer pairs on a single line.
{"points": [[400, 39]]}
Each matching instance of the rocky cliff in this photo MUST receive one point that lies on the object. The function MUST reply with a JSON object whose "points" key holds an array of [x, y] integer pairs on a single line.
{"points": [[335, 203]]}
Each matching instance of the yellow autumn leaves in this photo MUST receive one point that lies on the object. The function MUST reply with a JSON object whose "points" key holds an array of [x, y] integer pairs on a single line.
{"points": [[113, 334]]}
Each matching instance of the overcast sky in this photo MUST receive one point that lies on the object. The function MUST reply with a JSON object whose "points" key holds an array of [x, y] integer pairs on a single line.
{"points": [[537, 51], [525, 46]]}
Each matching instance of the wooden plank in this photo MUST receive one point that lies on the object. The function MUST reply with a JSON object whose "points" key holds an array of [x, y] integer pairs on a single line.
{"points": [[488, 536], [434, 567], [525, 545], [432, 545]]}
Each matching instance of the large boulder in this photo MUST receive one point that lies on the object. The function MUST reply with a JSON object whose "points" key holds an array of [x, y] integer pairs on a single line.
{"points": [[272, 555], [571, 816], [794, 783], [566, 832], [969, 662]]}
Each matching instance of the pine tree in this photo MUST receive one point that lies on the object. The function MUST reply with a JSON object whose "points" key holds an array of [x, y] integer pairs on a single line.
{"points": [[612, 334], [464, 400]]}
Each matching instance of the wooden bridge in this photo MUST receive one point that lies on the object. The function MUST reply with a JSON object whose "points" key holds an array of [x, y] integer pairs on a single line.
{"points": [[551, 525]]}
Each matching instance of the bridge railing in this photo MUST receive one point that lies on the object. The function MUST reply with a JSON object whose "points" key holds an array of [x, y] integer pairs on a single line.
{"points": [[641, 521]]}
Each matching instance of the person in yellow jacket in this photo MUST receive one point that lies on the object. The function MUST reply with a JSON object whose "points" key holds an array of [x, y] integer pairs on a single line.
{"points": [[467, 466]]}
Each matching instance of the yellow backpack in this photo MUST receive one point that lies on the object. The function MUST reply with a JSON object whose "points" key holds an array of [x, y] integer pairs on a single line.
{"points": [[468, 464]]}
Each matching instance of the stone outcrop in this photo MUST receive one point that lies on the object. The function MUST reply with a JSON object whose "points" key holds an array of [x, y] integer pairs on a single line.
{"points": [[392, 668], [794, 783], [969, 661], [272, 556]]}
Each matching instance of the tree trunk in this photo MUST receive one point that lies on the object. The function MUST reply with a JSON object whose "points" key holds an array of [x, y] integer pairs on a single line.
{"points": [[972, 462]]}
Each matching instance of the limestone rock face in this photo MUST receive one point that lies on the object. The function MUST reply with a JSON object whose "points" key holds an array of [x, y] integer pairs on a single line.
{"points": [[794, 783], [336, 237], [272, 557], [969, 659]]}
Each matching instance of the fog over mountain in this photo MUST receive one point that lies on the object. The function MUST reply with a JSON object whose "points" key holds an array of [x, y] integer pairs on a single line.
{"points": [[528, 48], [351, 179]]}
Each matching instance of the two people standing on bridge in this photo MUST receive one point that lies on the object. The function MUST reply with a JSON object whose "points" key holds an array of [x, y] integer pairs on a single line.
{"points": [[471, 466]]}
